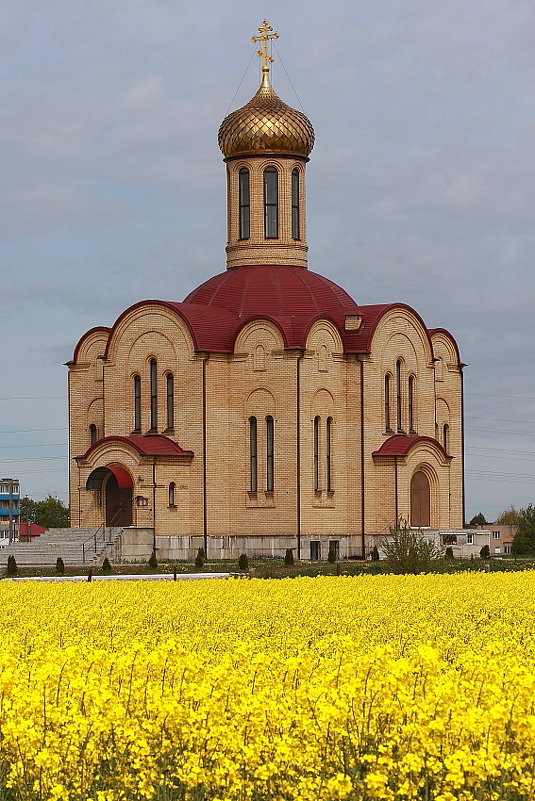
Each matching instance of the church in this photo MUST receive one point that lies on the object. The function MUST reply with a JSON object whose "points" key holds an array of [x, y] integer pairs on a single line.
{"points": [[268, 410]]}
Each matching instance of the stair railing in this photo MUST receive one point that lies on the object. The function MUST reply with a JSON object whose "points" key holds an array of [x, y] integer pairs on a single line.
{"points": [[100, 534]]}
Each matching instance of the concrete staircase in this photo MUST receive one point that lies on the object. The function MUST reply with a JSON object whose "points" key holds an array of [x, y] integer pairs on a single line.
{"points": [[76, 546]]}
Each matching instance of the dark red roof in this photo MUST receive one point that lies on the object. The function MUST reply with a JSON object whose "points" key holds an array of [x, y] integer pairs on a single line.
{"points": [[30, 529], [150, 445], [401, 444], [293, 298]]}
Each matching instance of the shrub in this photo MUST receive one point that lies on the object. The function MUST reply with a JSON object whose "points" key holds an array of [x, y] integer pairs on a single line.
{"points": [[11, 566], [60, 566], [289, 557], [153, 562], [331, 556], [375, 554], [199, 559], [408, 551], [449, 553], [107, 568], [485, 552], [243, 562]]}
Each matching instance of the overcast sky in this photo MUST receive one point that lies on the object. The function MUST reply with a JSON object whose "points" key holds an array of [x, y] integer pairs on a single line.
{"points": [[420, 187]]}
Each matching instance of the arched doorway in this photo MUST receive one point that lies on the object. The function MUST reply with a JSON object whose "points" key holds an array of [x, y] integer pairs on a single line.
{"points": [[118, 503], [117, 484], [420, 500]]}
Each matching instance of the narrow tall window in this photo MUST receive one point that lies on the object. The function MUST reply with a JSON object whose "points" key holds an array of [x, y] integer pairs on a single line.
{"points": [[270, 449], [387, 402], [399, 417], [137, 403], [328, 454], [245, 203], [92, 434], [172, 486], [296, 234], [170, 390], [153, 395], [253, 454], [316, 454], [446, 437], [411, 404], [271, 203]]}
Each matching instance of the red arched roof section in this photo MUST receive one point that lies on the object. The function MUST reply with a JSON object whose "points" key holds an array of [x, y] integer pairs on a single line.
{"points": [[372, 315], [209, 328], [451, 338], [122, 476], [401, 444], [273, 291], [82, 339], [151, 445]]}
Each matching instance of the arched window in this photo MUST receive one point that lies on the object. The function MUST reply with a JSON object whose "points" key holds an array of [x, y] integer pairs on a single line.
{"points": [[153, 395], [92, 434], [270, 453], [387, 402], [271, 203], [296, 234], [412, 426], [399, 417], [172, 486], [253, 454], [328, 455], [245, 203], [316, 454], [137, 403], [170, 392], [446, 437]]}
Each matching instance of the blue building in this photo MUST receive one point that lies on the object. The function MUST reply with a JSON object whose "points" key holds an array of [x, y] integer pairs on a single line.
{"points": [[9, 506]]}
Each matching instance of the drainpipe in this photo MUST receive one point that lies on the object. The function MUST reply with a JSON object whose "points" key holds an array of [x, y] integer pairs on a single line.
{"points": [[298, 449], [461, 365], [154, 504], [362, 483], [204, 470], [396, 509]]}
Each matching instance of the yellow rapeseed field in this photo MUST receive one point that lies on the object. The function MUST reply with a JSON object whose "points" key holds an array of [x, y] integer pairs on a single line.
{"points": [[387, 687]]}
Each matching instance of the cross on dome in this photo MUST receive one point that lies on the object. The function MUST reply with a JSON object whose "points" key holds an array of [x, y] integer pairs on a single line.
{"points": [[265, 35]]}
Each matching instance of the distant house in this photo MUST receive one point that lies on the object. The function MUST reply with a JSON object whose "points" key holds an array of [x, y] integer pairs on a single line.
{"points": [[27, 531]]}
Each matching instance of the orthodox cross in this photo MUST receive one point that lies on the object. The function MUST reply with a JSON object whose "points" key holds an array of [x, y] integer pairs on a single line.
{"points": [[265, 35]]}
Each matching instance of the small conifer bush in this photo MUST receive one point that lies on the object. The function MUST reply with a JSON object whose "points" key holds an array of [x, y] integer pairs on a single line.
{"points": [[243, 562], [106, 566], [289, 557], [448, 554], [153, 562], [331, 556], [60, 566], [485, 552], [11, 566], [199, 559], [375, 554]]}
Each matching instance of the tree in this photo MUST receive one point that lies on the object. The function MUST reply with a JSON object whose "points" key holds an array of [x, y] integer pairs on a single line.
{"points": [[60, 566], [199, 559], [408, 551], [153, 562], [485, 552], [331, 556], [243, 562], [374, 554], [510, 517], [50, 513], [478, 520], [11, 566], [289, 557], [524, 540]]}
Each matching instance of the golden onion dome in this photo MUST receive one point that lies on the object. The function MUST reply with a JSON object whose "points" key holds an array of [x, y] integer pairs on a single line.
{"points": [[266, 125]]}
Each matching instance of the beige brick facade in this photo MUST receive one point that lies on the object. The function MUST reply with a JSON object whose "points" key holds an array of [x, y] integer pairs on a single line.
{"points": [[344, 456]]}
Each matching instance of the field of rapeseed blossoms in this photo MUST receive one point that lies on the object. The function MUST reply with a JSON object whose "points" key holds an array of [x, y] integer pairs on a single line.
{"points": [[391, 687]]}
